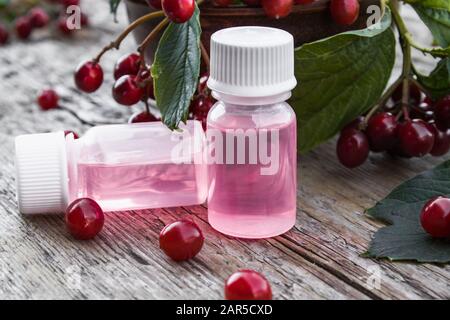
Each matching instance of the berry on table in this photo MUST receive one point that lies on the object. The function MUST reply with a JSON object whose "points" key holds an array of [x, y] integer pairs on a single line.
{"points": [[344, 12], [67, 132], [48, 99], [247, 285], [381, 131], [128, 64], [156, 4], [277, 8], [127, 91], [181, 240], [143, 116], [89, 76], [415, 137], [178, 11], [435, 217], [358, 124], [84, 219], [441, 144], [4, 35], [23, 27], [352, 148], [38, 17], [442, 112]]}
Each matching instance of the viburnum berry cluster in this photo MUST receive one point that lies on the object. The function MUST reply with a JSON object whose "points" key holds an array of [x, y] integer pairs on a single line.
{"points": [[415, 129], [132, 74], [29, 16]]}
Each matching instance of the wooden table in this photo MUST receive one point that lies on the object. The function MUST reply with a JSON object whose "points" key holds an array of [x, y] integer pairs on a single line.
{"points": [[318, 259]]}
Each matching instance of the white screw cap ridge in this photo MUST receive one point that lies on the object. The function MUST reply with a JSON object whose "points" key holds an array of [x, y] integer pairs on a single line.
{"points": [[252, 62], [41, 173]]}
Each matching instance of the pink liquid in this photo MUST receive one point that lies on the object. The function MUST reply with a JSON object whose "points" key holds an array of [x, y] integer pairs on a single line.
{"points": [[141, 186], [244, 203]]}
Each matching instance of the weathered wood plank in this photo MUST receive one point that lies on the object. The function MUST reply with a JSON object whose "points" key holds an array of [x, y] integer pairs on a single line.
{"points": [[319, 259]]}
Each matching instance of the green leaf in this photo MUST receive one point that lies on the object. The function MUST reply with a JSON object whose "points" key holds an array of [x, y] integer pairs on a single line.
{"points": [[176, 69], [114, 5], [340, 78], [4, 3], [405, 239], [437, 83], [436, 15]]}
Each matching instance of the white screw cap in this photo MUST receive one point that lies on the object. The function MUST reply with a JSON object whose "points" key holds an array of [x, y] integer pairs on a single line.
{"points": [[252, 62], [41, 173]]}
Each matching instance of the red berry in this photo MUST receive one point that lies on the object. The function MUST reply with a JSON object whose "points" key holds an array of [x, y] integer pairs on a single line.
{"points": [[202, 83], [128, 64], [126, 90], [352, 148], [84, 219], [344, 12], [435, 217], [68, 3], [222, 3], [427, 100], [48, 99], [84, 20], [358, 124], [156, 4], [64, 27], [201, 105], [381, 131], [38, 17], [252, 3], [67, 132], [89, 76], [145, 80], [247, 285], [442, 112], [23, 27], [181, 240], [416, 138], [304, 1], [4, 35], [178, 11], [143, 116], [415, 96], [441, 144], [277, 8]]}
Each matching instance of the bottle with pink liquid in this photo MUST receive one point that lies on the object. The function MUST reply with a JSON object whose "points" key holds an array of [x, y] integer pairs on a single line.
{"points": [[252, 133], [122, 167]]}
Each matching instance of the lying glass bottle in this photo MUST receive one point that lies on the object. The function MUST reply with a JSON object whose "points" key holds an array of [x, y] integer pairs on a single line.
{"points": [[122, 167]]}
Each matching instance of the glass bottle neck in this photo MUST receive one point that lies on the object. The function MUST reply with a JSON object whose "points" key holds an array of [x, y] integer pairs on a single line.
{"points": [[251, 101]]}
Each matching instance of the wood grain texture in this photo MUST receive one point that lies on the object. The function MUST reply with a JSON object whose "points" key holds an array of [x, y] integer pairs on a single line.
{"points": [[318, 259]]}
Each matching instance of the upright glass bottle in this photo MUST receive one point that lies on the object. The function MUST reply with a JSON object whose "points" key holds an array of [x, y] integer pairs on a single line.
{"points": [[252, 133], [122, 167]]}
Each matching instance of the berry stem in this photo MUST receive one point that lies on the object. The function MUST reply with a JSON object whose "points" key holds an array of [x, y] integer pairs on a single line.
{"points": [[384, 98], [116, 43], [424, 50], [205, 55], [406, 48], [143, 46]]}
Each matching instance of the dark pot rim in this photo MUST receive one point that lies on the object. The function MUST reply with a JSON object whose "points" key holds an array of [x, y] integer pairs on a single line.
{"points": [[210, 10]]}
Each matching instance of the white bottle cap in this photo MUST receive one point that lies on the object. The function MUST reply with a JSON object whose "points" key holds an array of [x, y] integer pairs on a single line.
{"points": [[252, 62], [41, 173]]}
